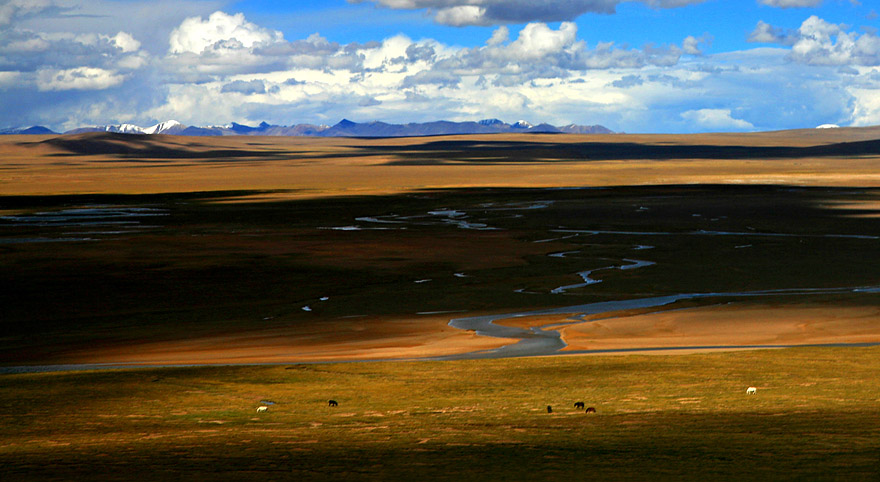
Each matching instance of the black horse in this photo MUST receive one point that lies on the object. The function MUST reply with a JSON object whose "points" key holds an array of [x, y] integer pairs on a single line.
{"points": [[549, 409], [333, 403], [579, 405]]}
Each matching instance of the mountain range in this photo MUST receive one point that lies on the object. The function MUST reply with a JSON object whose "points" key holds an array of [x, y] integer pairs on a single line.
{"points": [[345, 128]]}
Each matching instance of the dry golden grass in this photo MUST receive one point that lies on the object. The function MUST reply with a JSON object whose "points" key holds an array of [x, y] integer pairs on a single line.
{"points": [[314, 167]]}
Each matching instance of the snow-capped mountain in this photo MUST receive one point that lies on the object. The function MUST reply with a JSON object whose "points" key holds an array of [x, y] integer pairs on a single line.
{"points": [[167, 127], [345, 128], [125, 129]]}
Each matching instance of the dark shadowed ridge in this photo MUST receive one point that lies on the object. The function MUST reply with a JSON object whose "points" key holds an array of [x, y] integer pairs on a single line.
{"points": [[449, 151], [495, 152], [134, 146]]}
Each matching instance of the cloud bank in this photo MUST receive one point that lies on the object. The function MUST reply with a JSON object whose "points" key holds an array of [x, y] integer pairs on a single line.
{"points": [[219, 66], [495, 12]]}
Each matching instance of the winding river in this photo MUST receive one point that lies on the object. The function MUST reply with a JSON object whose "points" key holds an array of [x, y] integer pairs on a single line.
{"points": [[543, 341]]}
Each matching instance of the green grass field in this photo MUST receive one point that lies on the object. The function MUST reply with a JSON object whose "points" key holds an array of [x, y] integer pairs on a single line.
{"points": [[816, 416]]}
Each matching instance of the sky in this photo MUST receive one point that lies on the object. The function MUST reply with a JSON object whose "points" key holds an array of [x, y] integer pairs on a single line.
{"points": [[640, 66]]}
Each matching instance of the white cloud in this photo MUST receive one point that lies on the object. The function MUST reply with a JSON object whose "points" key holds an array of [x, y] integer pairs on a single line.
{"points": [[11, 9], [223, 45], [818, 42], [768, 34], [715, 119], [126, 42], [9, 79], [824, 43], [220, 31], [791, 3], [691, 45], [499, 36], [462, 15], [80, 78], [30, 45], [234, 70], [537, 40], [246, 87]]}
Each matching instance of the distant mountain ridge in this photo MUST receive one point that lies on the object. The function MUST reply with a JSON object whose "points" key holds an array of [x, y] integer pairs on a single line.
{"points": [[344, 128], [35, 130]]}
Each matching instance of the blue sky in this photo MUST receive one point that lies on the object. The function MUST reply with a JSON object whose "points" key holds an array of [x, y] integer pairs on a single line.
{"points": [[634, 66]]}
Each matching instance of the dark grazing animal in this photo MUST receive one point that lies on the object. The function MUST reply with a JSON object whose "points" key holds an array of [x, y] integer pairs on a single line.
{"points": [[591, 410], [549, 409], [579, 405], [333, 403]]}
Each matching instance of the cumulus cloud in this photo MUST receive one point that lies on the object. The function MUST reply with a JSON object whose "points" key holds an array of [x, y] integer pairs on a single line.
{"points": [[818, 42], [499, 36], [218, 32], [230, 69], [126, 42], [766, 33], [494, 12], [224, 45], [540, 52], [70, 61], [692, 45], [715, 119], [420, 52], [81, 78], [537, 40], [462, 15]]}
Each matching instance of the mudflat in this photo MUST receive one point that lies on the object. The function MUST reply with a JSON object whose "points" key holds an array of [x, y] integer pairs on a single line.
{"points": [[163, 249]]}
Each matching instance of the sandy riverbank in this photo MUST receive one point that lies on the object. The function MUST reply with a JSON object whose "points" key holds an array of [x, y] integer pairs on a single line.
{"points": [[728, 325], [716, 326]]}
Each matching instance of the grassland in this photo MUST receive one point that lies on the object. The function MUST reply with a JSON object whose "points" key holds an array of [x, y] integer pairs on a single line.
{"points": [[816, 416], [170, 250]]}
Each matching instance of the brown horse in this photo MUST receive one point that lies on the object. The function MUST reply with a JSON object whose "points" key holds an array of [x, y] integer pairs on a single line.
{"points": [[591, 410]]}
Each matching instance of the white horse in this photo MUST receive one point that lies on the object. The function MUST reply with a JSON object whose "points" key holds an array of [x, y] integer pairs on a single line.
{"points": [[751, 391], [262, 408]]}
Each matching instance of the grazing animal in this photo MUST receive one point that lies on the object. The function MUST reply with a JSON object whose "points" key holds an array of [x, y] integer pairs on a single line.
{"points": [[579, 405], [591, 410], [549, 409], [333, 403], [751, 391], [262, 408]]}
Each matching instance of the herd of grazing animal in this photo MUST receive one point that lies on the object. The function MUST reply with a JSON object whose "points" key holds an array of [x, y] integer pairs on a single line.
{"points": [[577, 405]]}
